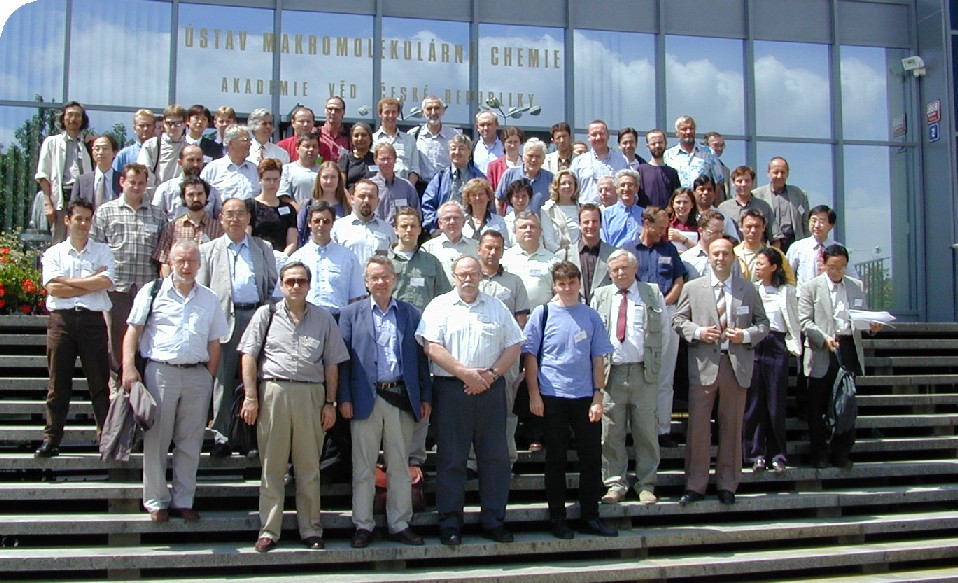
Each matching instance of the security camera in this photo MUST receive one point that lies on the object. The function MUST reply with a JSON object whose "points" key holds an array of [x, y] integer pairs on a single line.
{"points": [[914, 64]]}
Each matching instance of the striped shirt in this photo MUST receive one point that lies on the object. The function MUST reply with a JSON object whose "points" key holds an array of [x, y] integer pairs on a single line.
{"points": [[184, 228]]}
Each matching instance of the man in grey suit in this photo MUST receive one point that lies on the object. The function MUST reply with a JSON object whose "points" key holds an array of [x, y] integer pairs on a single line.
{"points": [[241, 270], [591, 255], [721, 317], [102, 184], [830, 341], [789, 205]]}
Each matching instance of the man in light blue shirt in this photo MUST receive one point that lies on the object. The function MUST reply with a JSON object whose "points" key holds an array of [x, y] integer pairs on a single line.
{"points": [[233, 176], [598, 162], [692, 160], [622, 222], [488, 147], [144, 125], [337, 276]]}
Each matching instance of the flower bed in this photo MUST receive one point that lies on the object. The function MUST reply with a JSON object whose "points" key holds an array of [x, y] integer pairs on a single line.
{"points": [[21, 291]]}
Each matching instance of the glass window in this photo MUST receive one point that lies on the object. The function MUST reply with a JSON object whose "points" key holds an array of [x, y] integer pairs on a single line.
{"points": [[118, 123], [704, 79], [734, 156], [869, 90], [792, 90], [22, 129], [32, 47], [322, 55], [120, 52], [427, 57], [877, 245], [522, 67], [224, 57], [625, 64], [810, 167]]}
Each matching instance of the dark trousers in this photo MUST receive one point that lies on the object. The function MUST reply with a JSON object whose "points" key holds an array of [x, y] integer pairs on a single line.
{"points": [[819, 401], [560, 415], [764, 425], [71, 334], [462, 421], [122, 304]]}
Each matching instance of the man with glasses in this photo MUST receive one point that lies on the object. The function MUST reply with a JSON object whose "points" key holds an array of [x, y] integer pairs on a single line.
{"points": [[472, 340], [449, 245], [333, 141], [160, 154], [622, 221], [241, 271], [533, 156], [233, 175], [63, 158], [447, 183]]}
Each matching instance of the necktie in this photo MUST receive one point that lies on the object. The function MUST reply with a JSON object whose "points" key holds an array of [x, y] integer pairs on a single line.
{"points": [[623, 315], [819, 259], [100, 196], [456, 185], [720, 306]]}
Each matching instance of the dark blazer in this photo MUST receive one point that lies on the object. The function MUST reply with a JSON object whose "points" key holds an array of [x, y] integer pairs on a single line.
{"points": [[211, 148], [357, 375], [85, 188], [438, 191]]}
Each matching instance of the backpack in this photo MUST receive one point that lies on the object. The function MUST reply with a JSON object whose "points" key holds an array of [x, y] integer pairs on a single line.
{"points": [[241, 434], [843, 409]]}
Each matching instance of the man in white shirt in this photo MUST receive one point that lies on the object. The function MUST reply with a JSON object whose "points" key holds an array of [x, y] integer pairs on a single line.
{"points": [[449, 245], [404, 144], [261, 127], [529, 260], [167, 196], [233, 175], [361, 231], [805, 255], [488, 147]]}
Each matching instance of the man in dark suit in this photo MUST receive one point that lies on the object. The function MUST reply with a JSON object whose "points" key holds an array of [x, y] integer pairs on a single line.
{"points": [[103, 183], [721, 316], [241, 271], [384, 388]]}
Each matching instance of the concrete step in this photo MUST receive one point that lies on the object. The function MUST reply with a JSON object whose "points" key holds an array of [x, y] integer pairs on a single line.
{"points": [[217, 487], [909, 344], [26, 339], [907, 380], [916, 576], [36, 384], [724, 564], [911, 361], [25, 361]]}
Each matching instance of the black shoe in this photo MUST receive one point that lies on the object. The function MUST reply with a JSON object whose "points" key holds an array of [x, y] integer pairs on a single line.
{"points": [[666, 440], [361, 539], [690, 497], [450, 537], [560, 529], [598, 528], [46, 450], [406, 537], [820, 463], [498, 534], [842, 462], [221, 450], [726, 497], [472, 474]]}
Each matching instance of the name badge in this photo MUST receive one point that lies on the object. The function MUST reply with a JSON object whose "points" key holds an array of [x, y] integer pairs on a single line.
{"points": [[309, 342], [664, 260], [535, 272], [580, 336], [400, 202], [858, 303], [742, 310], [372, 168], [417, 281], [283, 210], [151, 228]]}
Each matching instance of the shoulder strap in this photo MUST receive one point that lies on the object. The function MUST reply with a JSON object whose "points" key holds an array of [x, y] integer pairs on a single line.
{"points": [[269, 324], [542, 338], [154, 290]]}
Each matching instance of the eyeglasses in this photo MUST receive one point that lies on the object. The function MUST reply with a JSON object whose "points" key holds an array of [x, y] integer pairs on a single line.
{"points": [[235, 214], [467, 276], [292, 281], [320, 221], [174, 123]]}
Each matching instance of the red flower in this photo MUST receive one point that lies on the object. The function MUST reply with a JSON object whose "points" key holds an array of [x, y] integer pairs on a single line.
{"points": [[29, 287], [3, 290], [2, 303], [4, 259], [26, 309], [4, 251], [42, 307]]}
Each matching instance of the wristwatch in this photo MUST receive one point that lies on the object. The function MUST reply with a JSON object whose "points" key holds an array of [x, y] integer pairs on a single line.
{"points": [[333, 403], [495, 375]]}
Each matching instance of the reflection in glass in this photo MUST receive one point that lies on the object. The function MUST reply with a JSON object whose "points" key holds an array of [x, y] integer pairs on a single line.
{"points": [[875, 242], [704, 79], [221, 57], [522, 67], [615, 79], [734, 156], [120, 52], [409, 74], [810, 167], [32, 49], [792, 90], [324, 54], [21, 132], [871, 96]]}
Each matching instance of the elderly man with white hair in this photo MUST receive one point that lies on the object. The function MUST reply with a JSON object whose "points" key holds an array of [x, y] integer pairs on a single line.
{"points": [[233, 175], [533, 157], [261, 126]]}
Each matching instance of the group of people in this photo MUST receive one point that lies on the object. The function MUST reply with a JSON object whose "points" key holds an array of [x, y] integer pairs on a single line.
{"points": [[382, 286]]}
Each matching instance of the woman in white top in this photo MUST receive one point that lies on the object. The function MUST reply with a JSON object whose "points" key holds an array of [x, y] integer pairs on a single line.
{"points": [[560, 214], [477, 196], [683, 220], [764, 424]]}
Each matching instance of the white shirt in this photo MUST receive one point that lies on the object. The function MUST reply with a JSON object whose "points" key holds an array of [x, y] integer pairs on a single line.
{"points": [[232, 181], [804, 256], [589, 168], [433, 150], [475, 334], [269, 150], [447, 252], [535, 271], [180, 328], [363, 238], [407, 156], [632, 350], [63, 260], [772, 300], [337, 276], [839, 297]]}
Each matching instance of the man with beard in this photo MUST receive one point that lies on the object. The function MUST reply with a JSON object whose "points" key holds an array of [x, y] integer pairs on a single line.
{"points": [[692, 160], [659, 180], [177, 330], [361, 231], [196, 225], [167, 197], [431, 140]]}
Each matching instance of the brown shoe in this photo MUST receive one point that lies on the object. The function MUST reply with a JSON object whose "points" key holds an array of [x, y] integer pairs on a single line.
{"points": [[407, 537], [361, 539], [313, 542], [161, 515], [187, 514], [264, 544]]}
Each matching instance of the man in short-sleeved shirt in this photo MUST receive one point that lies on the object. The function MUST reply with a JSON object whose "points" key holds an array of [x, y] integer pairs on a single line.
{"points": [[450, 244], [529, 260], [361, 231], [420, 277], [598, 162], [471, 339], [692, 160]]}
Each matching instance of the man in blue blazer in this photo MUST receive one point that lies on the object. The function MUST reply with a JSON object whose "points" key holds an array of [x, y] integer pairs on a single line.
{"points": [[384, 389]]}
